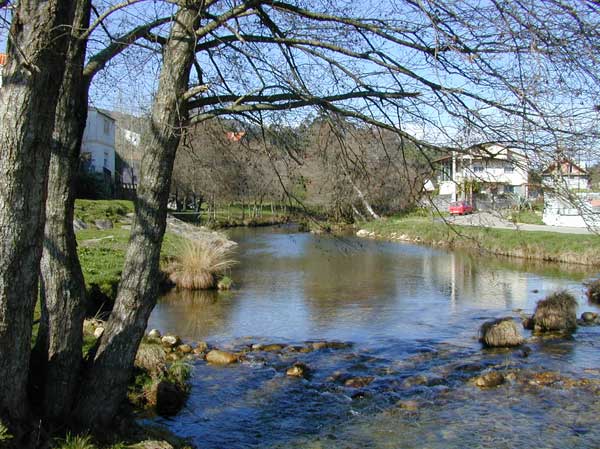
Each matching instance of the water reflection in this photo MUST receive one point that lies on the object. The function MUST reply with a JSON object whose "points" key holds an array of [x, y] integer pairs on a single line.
{"points": [[193, 314], [300, 286]]}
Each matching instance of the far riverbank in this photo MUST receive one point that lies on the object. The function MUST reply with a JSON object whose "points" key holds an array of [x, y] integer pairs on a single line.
{"points": [[531, 245]]}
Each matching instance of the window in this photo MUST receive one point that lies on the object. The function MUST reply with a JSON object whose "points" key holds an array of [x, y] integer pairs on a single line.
{"points": [[509, 189], [477, 168], [106, 159], [509, 168], [106, 126]]}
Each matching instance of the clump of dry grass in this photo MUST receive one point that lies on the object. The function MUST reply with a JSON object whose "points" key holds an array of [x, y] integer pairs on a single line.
{"points": [[558, 312], [593, 292], [200, 263], [501, 333]]}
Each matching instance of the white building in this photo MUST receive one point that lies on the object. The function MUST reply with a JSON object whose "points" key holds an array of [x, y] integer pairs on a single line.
{"points": [[564, 174], [490, 168], [98, 145]]}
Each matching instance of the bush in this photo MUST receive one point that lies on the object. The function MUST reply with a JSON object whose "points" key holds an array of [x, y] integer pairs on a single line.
{"points": [[593, 292], [199, 264]]}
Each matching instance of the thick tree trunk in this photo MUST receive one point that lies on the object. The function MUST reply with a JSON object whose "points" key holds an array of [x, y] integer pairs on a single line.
{"points": [[57, 357], [105, 385], [36, 59]]}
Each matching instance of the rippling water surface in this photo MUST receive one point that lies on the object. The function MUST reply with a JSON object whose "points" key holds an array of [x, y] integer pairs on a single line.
{"points": [[410, 315]]}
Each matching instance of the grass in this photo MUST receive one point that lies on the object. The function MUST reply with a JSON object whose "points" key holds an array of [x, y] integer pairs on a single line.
{"points": [[526, 216], [102, 254], [91, 210], [199, 264], [547, 246]]}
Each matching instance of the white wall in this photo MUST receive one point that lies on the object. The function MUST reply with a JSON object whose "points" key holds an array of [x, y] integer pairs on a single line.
{"points": [[99, 141]]}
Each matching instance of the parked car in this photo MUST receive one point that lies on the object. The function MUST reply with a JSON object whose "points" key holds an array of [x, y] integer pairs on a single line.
{"points": [[460, 208]]}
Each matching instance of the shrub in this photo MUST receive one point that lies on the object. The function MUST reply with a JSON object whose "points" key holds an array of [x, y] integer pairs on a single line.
{"points": [[199, 264], [75, 442], [593, 292], [558, 312], [4, 433]]}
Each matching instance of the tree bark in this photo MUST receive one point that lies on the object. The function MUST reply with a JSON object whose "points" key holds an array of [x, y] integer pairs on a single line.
{"points": [[105, 385], [37, 44], [58, 353]]}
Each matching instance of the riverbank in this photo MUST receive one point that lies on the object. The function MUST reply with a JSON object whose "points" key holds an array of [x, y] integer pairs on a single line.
{"points": [[102, 232], [532, 245]]}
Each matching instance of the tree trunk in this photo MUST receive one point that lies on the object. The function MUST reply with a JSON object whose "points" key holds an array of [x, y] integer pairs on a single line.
{"points": [[57, 358], [28, 99], [105, 386]]}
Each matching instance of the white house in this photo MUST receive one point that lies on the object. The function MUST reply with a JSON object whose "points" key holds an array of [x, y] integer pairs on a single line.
{"points": [[565, 174], [489, 168], [98, 145]]}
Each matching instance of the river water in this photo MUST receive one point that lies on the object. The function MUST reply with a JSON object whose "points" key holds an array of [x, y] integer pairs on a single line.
{"points": [[410, 316]]}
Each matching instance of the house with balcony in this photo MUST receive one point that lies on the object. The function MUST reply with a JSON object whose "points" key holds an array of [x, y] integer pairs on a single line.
{"points": [[98, 144], [488, 169]]}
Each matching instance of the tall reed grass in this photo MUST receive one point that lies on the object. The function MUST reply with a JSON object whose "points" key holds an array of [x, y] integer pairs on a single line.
{"points": [[199, 264]]}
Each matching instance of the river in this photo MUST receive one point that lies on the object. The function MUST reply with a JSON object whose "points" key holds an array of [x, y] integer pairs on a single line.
{"points": [[410, 317]]}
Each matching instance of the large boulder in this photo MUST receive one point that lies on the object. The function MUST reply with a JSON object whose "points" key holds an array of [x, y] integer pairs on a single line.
{"points": [[558, 312], [501, 333]]}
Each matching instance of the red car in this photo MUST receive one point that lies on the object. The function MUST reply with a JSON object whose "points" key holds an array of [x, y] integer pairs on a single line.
{"points": [[460, 208]]}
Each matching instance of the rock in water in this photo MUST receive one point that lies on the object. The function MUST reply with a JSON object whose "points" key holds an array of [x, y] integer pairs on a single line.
{"points": [[501, 333], [558, 312], [170, 341], [298, 370], [589, 317], [359, 382], [489, 380], [217, 357]]}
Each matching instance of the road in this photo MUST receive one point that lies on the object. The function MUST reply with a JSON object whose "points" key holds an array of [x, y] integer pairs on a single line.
{"points": [[494, 220]]}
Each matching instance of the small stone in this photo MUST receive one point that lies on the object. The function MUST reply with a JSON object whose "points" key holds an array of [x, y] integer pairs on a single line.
{"points": [[525, 351], [201, 347], [273, 348], [185, 349], [152, 444], [154, 333], [170, 341], [589, 317], [103, 224], [257, 346], [359, 382], [489, 380], [298, 370], [98, 332], [217, 357], [319, 345], [409, 405], [78, 224], [362, 233], [413, 381]]}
